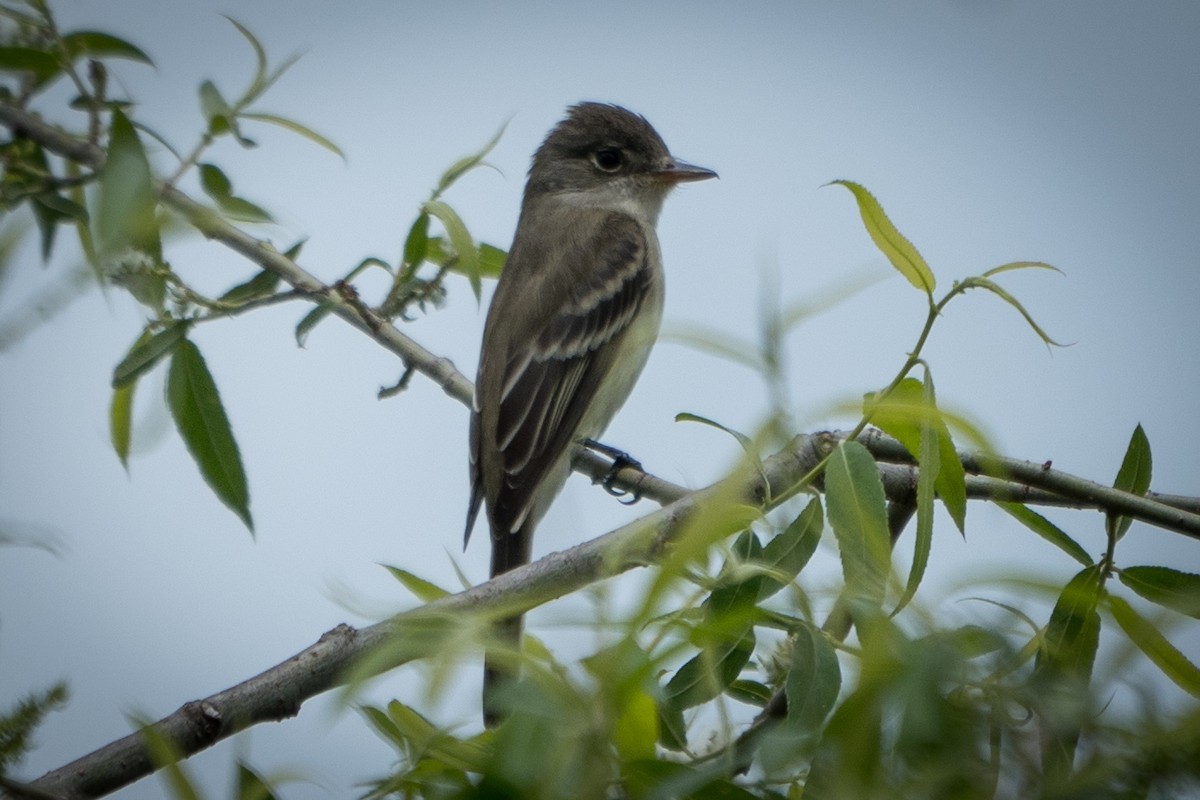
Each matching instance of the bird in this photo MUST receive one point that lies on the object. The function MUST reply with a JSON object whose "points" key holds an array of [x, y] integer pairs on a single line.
{"points": [[575, 313]]}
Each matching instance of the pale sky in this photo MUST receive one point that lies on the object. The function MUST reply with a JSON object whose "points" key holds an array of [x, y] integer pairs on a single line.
{"points": [[990, 131]]}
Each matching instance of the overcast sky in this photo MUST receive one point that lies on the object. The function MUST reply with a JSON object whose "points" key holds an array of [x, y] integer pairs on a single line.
{"points": [[991, 131]]}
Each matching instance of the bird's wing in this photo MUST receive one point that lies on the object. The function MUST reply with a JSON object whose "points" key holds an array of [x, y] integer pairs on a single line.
{"points": [[552, 376]]}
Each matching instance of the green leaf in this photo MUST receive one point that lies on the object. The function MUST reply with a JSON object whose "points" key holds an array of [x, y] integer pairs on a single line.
{"points": [[1170, 588], [296, 127], [930, 467], [1047, 530], [41, 64], [858, 514], [217, 186], [1133, 477], [813, 680], [635, 729], [745, 441], [904, 257], [120, 421], [786, 554], [460, 240], [146, 352], [466, 164], [216, 111], [310, 321], [994, 288], [94, 44], [125, 217], [709, 672], [416, 244], [196, 406], [214, 182], [422, 589], [1015, 265], [1063, 668], [491, 260], [261, 285], [1173, 663]]}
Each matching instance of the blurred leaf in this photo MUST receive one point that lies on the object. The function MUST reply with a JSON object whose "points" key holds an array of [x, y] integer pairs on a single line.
{"points": [[711, 341], [146, 352], [125, 215], [296, 127], [1132, 477], [460, 240], [1170, 588], [994, 288], [310, 321], [491, 260], [196, 406], [635, 730], [1174, 664], [466, 164], [858, 514], [904, 257], [251, 785], [260, 55], [787, 553], [215, 109], [813, 681], [261, 285], [1063, 670], [416, 244], [422, 589], [94, 44], [217, 186], [1047, 530], [749, 692], [39, 63], [120, 421]]}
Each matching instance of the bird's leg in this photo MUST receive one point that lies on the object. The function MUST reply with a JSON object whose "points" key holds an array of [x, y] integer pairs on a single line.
{"points": [[620, 460]]}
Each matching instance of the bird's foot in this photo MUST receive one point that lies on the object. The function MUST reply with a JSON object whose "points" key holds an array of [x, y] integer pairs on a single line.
{"points": [[620, 460]]}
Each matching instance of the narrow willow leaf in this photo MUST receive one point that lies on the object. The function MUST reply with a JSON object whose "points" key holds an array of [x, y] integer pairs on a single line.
{"points": [[467, 163], [310, 320], [745, 441], [214, 182], [857, 512], [1133, 477], [460, 239], [423, 590], [996, 289], [147, 351], [94, 44], [813, 680], [296, 127], [261, 285], [709, 672], [1015, 265], [929, 469], [1047, 530], [260, 55], [1173, 663], [120, 421], [786, 554], [899, 251], [196, 406], [1170, 588], [713, 342]]}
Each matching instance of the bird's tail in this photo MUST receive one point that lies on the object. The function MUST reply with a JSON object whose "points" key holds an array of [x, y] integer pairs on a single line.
{"points": [[499, 669]]}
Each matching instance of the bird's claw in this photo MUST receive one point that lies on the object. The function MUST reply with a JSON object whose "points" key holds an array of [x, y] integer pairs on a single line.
{"points": [[620, 460]]}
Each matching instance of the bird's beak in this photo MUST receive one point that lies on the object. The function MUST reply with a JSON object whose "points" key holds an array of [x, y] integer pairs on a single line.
{"points": [[676, 171]]}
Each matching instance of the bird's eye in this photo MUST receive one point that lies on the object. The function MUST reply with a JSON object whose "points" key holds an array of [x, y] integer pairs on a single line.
{"points": [[609, 159]]}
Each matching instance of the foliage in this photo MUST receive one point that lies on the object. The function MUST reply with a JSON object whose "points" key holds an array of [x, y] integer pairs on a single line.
{"points": [[721, 681]]}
